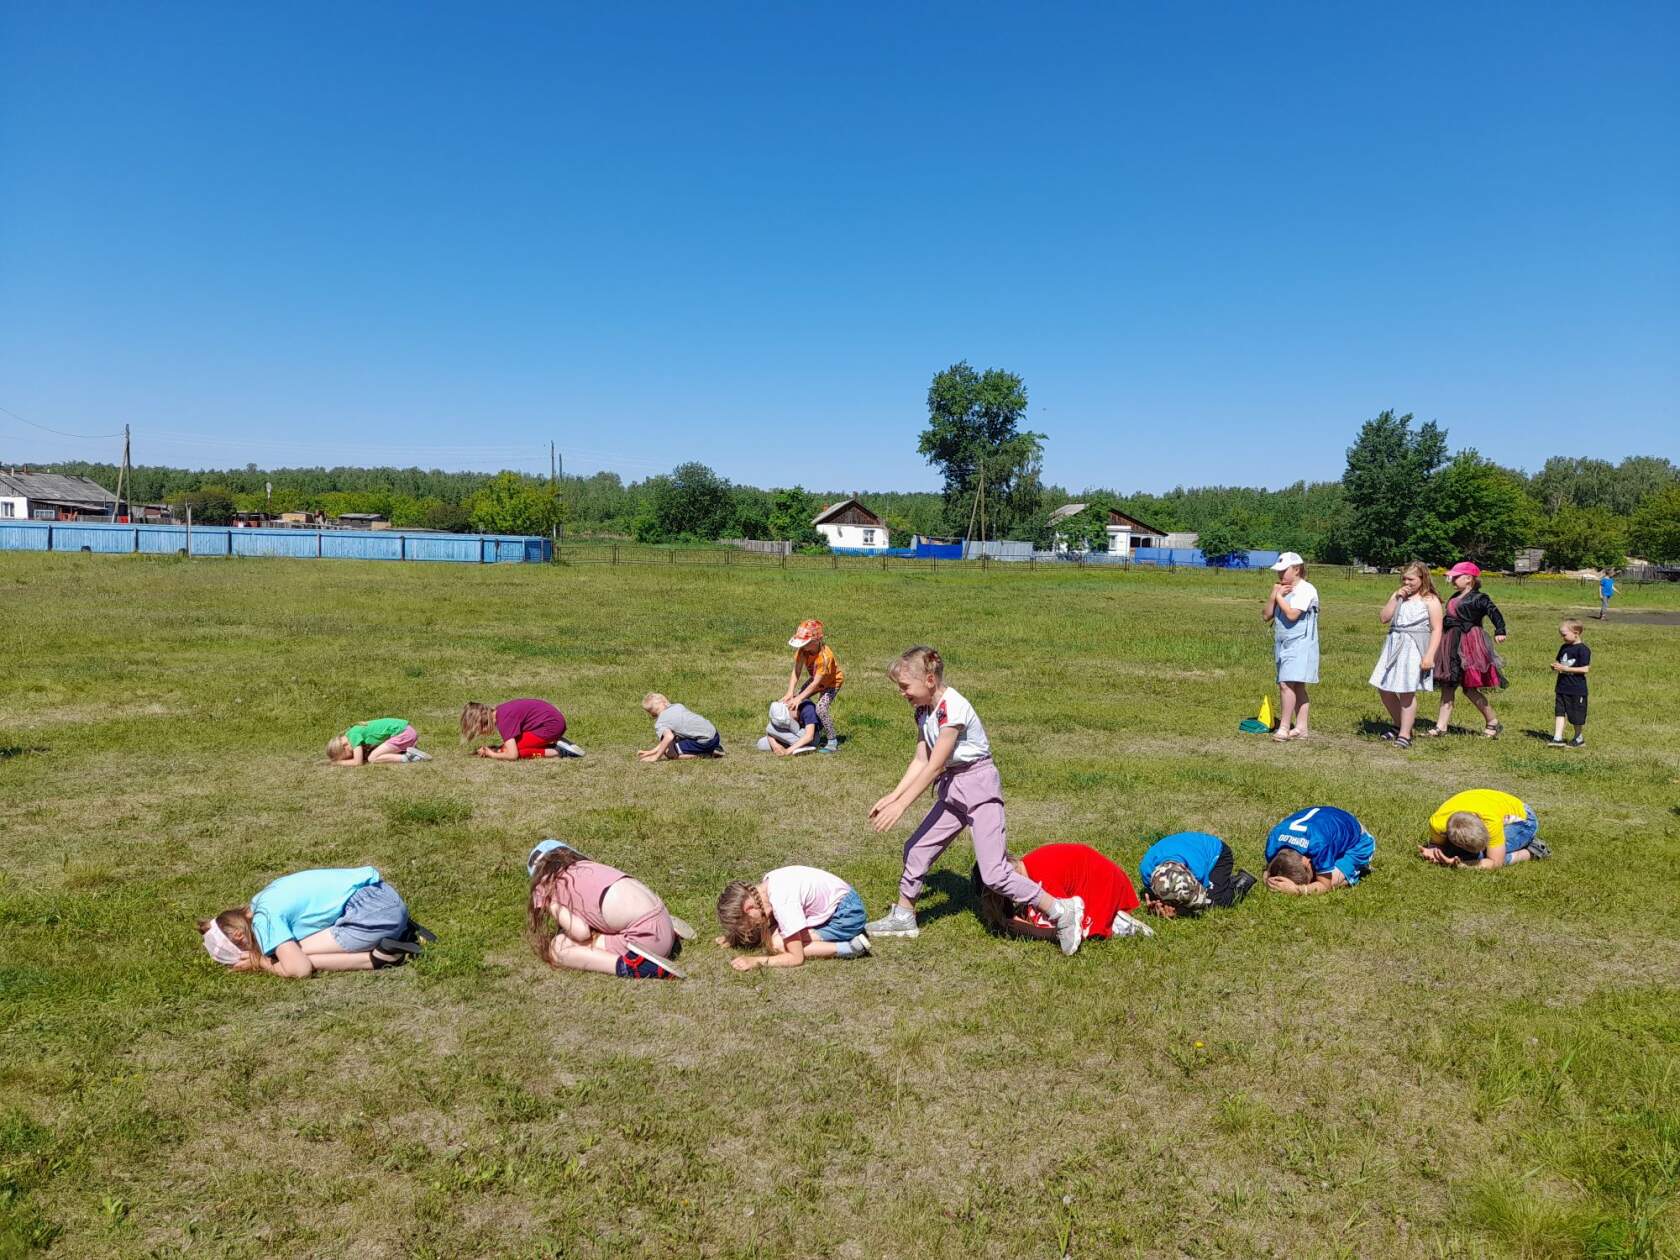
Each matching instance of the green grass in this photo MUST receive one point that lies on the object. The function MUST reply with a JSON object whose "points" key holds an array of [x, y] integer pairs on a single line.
{"points": [[1435, 1064]]}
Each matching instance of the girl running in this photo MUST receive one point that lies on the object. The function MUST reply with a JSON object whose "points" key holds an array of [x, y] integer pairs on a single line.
{"points": [[953, 752]]}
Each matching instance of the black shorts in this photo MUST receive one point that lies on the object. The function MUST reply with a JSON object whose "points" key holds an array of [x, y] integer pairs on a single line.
{"points": [[1572, 707]]}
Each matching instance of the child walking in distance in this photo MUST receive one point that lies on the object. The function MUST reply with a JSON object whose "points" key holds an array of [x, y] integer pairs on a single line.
{"points": [[788, 735], [1574, 659], [1065, 871], [1187, 872], [1465, 658], [321, 920], [1483, 830], [953, 752], [524, 729], [588, 916], [679, 732], [1606, 589], [793, 913], [383, 741], [814, 657], [1318, 849]]}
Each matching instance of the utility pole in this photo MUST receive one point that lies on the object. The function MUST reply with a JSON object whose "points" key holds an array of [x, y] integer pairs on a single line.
{"points": [[122, 477], [552, 474]]}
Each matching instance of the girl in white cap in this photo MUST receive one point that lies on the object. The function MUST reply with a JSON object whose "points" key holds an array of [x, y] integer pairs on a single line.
{"points": [[323, 920], [1292, 608]]}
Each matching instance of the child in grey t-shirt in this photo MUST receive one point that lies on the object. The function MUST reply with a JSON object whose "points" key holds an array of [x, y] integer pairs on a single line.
{"points": [[683, 734]]}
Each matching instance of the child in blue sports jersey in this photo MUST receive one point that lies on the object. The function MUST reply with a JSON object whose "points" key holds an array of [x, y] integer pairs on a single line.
{"points": [[1317, 849], [1189, 871]]}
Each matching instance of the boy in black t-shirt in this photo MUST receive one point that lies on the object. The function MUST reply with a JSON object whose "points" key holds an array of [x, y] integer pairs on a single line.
{"points": [[1574, 658]]}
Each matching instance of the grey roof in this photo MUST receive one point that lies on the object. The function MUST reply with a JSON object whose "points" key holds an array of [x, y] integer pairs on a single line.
{"points": [[1065, 511], [54, 488]]}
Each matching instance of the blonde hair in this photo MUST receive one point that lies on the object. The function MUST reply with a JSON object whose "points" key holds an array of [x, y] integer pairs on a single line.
{"points": [[1467, 831], [1426, 581], [338, 749], [477, 719], [920, 661], [236, 925], [1574, 627], [738, 929], [652, 698]]}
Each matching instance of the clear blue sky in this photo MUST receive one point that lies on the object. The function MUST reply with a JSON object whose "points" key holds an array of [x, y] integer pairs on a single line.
{"points": [[1213, 238]]}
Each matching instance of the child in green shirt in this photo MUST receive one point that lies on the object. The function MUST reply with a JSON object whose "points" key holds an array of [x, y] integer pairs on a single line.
{"points": [[381, 741]]}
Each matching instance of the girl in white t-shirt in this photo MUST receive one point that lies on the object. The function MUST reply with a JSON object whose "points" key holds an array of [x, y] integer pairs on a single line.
{"points": [[1292, 607], [793, 913], [952, 751]]}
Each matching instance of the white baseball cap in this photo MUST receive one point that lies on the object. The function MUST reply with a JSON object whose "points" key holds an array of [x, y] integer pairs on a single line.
{"points": [[1285, 560], [780, 715]]}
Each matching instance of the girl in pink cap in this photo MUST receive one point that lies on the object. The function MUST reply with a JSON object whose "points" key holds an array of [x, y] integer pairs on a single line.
{"points": [[1465, 658]]}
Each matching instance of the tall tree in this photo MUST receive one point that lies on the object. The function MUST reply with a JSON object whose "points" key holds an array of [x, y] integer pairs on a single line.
{"points": [[693, 502], [1654, 532], [791, 511], [974, 436], [1483, 511], [1387, 484], [513, 504], [1582, 537]]}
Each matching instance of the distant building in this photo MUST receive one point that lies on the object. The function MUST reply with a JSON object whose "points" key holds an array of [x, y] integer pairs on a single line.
{"points": [[362, 520], [1125, 533], [851, 525], [1184, 540], [33, 496], [1529, 560]]}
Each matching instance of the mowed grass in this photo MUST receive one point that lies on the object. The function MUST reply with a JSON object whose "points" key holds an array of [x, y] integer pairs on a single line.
{"points": [[1435, 1064]]}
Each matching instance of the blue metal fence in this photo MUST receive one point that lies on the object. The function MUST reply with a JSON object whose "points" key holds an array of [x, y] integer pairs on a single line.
{"points": [[302, 544], [1192, 558]]}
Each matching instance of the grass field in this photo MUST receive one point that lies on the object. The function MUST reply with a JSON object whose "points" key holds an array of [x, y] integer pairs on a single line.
{"points": [[1437, 1063]]}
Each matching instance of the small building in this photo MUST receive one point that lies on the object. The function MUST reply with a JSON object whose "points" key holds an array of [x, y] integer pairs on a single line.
{"points": [[1182, 540], [34, 496], [1529, 560], [1125, 533], [362, 520], [850, 525]]}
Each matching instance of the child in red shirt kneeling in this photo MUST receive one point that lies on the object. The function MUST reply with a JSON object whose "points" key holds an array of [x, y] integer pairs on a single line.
{"points": [[1065, 871]]}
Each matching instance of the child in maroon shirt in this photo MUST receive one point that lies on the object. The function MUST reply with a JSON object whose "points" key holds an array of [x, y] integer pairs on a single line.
{"points": [[526, 728]]}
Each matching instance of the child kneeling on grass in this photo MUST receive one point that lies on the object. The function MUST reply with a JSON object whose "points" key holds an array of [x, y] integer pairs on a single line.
{"points": [[526, 728], [320, 920], [794, 913], [788, 735], [1483, 830], [1315, 850], [383, 741], [1064, 871], [1189, 871], [588, 916], [953, 752], [681, 733], [814, 657]]}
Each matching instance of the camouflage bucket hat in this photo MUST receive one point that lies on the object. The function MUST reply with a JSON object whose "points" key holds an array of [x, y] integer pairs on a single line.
{"points": [[1173, 883]]}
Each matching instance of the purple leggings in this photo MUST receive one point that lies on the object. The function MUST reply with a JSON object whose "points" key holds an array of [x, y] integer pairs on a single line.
{"points": [[967, 796]]}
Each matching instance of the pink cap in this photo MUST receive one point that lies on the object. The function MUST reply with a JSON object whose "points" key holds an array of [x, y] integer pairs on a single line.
{"points": [[1464, 567]]}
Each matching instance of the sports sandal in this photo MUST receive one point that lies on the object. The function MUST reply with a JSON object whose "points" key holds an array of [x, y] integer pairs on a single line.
{"points": [[419, 931], [1435, 732], [1492, 730], [1401, 741]]}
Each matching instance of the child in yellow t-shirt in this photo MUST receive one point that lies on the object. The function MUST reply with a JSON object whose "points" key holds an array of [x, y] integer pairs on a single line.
{"points": [[815, 657], [1483, 829]]}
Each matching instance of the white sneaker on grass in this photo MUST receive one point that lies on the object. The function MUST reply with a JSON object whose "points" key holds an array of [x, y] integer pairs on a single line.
{"points": [[1070, 919], [857, 947], [683, 928], [414, 754], [1126, 925], [898, 922], [567, 748]]}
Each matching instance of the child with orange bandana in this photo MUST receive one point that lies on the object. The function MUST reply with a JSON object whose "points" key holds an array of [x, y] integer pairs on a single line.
{"points": [[814, 657]]}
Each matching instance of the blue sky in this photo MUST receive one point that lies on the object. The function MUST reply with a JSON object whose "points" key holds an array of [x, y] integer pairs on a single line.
{"points": [[1212, 238]]}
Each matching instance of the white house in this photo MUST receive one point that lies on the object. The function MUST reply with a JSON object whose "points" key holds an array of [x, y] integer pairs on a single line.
{"points": [[51, 497], [1125, 533], [849, 524]]}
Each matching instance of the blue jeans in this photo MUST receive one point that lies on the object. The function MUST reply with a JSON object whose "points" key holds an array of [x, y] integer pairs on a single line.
{"points": [[1519, 834], [372, 913], [846, 921]]}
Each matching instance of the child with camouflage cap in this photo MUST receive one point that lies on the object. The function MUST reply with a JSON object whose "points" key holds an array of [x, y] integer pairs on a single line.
{"points": [[1187, 872]]}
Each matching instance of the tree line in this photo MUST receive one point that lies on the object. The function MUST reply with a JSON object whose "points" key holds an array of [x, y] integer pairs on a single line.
{"points": [[1403, 494]]}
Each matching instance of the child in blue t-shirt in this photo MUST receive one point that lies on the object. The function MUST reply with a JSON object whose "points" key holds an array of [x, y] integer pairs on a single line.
{"points": [[1317, 849], [1187, 872]]}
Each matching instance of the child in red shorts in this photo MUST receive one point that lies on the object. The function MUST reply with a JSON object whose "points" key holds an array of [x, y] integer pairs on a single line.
{"points": [[525, 728]]}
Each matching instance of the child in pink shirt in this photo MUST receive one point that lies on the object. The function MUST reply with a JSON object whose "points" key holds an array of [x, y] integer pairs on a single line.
{"points": [[588, 916], [794, 913]]}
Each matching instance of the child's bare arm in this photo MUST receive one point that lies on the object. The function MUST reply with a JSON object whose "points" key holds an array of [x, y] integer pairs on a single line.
{"points": [[792, 954], [659, 749], [923, 771]]}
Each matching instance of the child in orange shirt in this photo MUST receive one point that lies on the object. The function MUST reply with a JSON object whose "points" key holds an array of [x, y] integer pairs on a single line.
{"points": [[814, 656]]}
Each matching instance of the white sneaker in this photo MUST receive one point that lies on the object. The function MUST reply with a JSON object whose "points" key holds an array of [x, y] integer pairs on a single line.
{"points": [[1070, 918], [568, 749], [414, 754], [1125, 925], [898, 922], [683, 928]]}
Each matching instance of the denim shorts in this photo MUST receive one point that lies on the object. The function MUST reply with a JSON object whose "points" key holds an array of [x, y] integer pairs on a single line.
{"points": [[1518, 834], [846, 922], [372, 913]]}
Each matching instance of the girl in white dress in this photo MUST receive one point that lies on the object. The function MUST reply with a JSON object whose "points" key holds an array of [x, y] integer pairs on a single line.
{"points": [[1413, 618]]}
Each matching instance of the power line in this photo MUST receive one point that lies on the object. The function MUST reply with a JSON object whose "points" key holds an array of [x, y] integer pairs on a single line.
{"points": [[86, 437]]}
